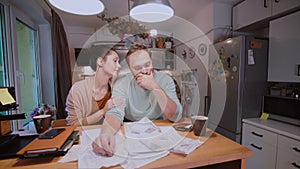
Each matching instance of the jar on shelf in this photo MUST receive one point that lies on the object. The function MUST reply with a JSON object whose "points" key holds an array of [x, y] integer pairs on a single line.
{"points": [[160, 42], [168, 43]]}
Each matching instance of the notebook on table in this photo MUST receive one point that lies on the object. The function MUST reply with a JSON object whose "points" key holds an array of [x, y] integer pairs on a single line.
{"points": [[47, 146]]}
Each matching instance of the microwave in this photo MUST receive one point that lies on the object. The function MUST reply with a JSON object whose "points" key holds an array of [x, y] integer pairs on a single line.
{"points": [[285, 109]]}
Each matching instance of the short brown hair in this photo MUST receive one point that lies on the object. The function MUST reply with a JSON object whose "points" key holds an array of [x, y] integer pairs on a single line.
{"points": [[99, 51], [134, 48]]}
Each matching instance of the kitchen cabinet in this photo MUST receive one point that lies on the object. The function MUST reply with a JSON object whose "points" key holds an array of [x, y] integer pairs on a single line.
{"points": [[288, 153], [280, 6], [263, 145], [284, 37], [249, 12], [254, 11], [162, 51], [163, 58], [274, 144]]}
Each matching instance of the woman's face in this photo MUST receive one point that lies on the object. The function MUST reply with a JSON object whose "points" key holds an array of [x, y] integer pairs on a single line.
{"points": [[140, 62], [111, 63]]}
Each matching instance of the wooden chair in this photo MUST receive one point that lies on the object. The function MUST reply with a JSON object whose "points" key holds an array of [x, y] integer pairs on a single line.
{"points": [[59, 123]]}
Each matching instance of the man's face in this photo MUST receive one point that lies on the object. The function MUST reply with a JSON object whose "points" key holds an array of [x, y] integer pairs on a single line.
{"points": [[140, 62]]}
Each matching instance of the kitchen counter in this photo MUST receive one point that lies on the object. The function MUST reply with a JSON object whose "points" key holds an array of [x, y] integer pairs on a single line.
{"points": [[282, 128], [217, 152]]}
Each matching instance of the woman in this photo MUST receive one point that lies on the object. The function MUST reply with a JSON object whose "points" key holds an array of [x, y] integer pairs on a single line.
{"points": [[89, 99]]}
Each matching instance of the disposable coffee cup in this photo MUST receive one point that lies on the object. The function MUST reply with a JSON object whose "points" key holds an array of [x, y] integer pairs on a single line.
{"points": [[199, 125]]}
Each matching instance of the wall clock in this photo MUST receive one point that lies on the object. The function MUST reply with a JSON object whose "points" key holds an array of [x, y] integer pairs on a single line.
{"points": [[202, 49]]}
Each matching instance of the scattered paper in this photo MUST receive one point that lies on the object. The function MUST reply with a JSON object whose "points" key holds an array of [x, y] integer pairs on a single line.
{"points": [[5, 97], [139, 162], [72, 154], [142, 129], [143, 144], [186, 146], [251, 60], [167, 139], [89, 159], [25, 133]]}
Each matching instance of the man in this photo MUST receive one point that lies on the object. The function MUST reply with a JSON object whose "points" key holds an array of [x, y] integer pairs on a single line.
{"points": [[145, 93]]}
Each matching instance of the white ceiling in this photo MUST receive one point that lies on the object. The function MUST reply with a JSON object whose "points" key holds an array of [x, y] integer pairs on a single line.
{"points": [[183, 8]]}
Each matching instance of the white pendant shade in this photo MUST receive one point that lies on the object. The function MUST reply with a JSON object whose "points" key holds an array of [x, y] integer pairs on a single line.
{"points": [[151, 10], [79, 7]]}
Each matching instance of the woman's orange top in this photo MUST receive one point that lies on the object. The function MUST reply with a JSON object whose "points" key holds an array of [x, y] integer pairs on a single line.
{"points": [[101, 103]]}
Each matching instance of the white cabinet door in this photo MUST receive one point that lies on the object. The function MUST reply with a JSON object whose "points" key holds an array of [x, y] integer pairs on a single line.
{"points": [[288, 153], [158, 58], [250, 11], [284, 48], [279, 6], [263, 144]]}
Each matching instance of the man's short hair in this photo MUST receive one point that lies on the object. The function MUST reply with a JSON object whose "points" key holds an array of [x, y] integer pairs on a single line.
{"points": [[134, 48]]}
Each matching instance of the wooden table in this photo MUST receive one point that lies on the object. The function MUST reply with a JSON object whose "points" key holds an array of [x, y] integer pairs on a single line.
{"points": [[217, 152]]}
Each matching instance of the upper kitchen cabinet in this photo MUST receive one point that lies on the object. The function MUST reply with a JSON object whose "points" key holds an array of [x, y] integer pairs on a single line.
{"points": [[251, 12], [284, 49], [282, 6]]}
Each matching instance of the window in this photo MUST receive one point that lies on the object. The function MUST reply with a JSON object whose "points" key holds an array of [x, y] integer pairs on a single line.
{"points": [[3, 53], [26, 65], [19, 59], [26, 55]]}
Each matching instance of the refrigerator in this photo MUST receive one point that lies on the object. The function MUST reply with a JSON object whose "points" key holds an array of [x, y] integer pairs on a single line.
{"points": [[245, 63]]}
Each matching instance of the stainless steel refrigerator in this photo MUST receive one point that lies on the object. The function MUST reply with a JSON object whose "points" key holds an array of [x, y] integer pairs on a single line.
{"points": [[245, 62]]}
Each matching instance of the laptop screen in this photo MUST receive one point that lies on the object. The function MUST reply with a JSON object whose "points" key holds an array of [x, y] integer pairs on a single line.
{"points": [[11, 91]]}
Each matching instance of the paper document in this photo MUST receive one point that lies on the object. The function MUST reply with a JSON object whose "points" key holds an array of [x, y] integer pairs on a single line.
{"points": [[186, 146], [25, 133], [72, 154], [89, 159], [146, 139], [5, 97], [144, 143], [251, 60]]}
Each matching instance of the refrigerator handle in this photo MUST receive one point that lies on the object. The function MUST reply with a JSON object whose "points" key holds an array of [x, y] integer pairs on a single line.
{"points": [[206, 105]]}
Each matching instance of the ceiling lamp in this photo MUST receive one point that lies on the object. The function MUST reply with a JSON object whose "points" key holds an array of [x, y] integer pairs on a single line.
{"points": [[79, 7], [151, 10]]}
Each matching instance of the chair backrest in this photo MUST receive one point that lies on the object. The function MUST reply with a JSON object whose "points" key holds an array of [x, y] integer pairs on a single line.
{"points": [[178, 93], [59, 123]]}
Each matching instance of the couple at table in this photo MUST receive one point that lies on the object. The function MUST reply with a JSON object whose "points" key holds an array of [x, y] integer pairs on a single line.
{"points": [[141, 93]]}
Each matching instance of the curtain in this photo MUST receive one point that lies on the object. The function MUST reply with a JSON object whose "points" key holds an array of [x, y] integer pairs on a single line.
{"points": [[63, 74]]}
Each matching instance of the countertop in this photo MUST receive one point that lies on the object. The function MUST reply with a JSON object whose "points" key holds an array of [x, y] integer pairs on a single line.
{"points": [[278, 127]]}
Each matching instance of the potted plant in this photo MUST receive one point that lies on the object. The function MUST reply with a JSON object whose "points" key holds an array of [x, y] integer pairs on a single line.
{"points": [[121, 26], [42, 116]]}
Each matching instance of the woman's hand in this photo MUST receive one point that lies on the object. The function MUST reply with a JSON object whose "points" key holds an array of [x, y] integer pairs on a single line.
{"points": [[111, 103]]}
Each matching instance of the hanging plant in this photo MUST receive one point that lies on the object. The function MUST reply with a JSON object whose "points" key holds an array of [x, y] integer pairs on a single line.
{"points": [[120, 27]]}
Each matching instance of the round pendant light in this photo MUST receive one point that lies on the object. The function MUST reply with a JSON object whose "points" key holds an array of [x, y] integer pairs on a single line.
{"points": [[79, 7], [151, 10]]}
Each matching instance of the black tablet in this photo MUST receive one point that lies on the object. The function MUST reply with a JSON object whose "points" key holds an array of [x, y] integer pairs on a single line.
{"points": [[51, 133]]}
